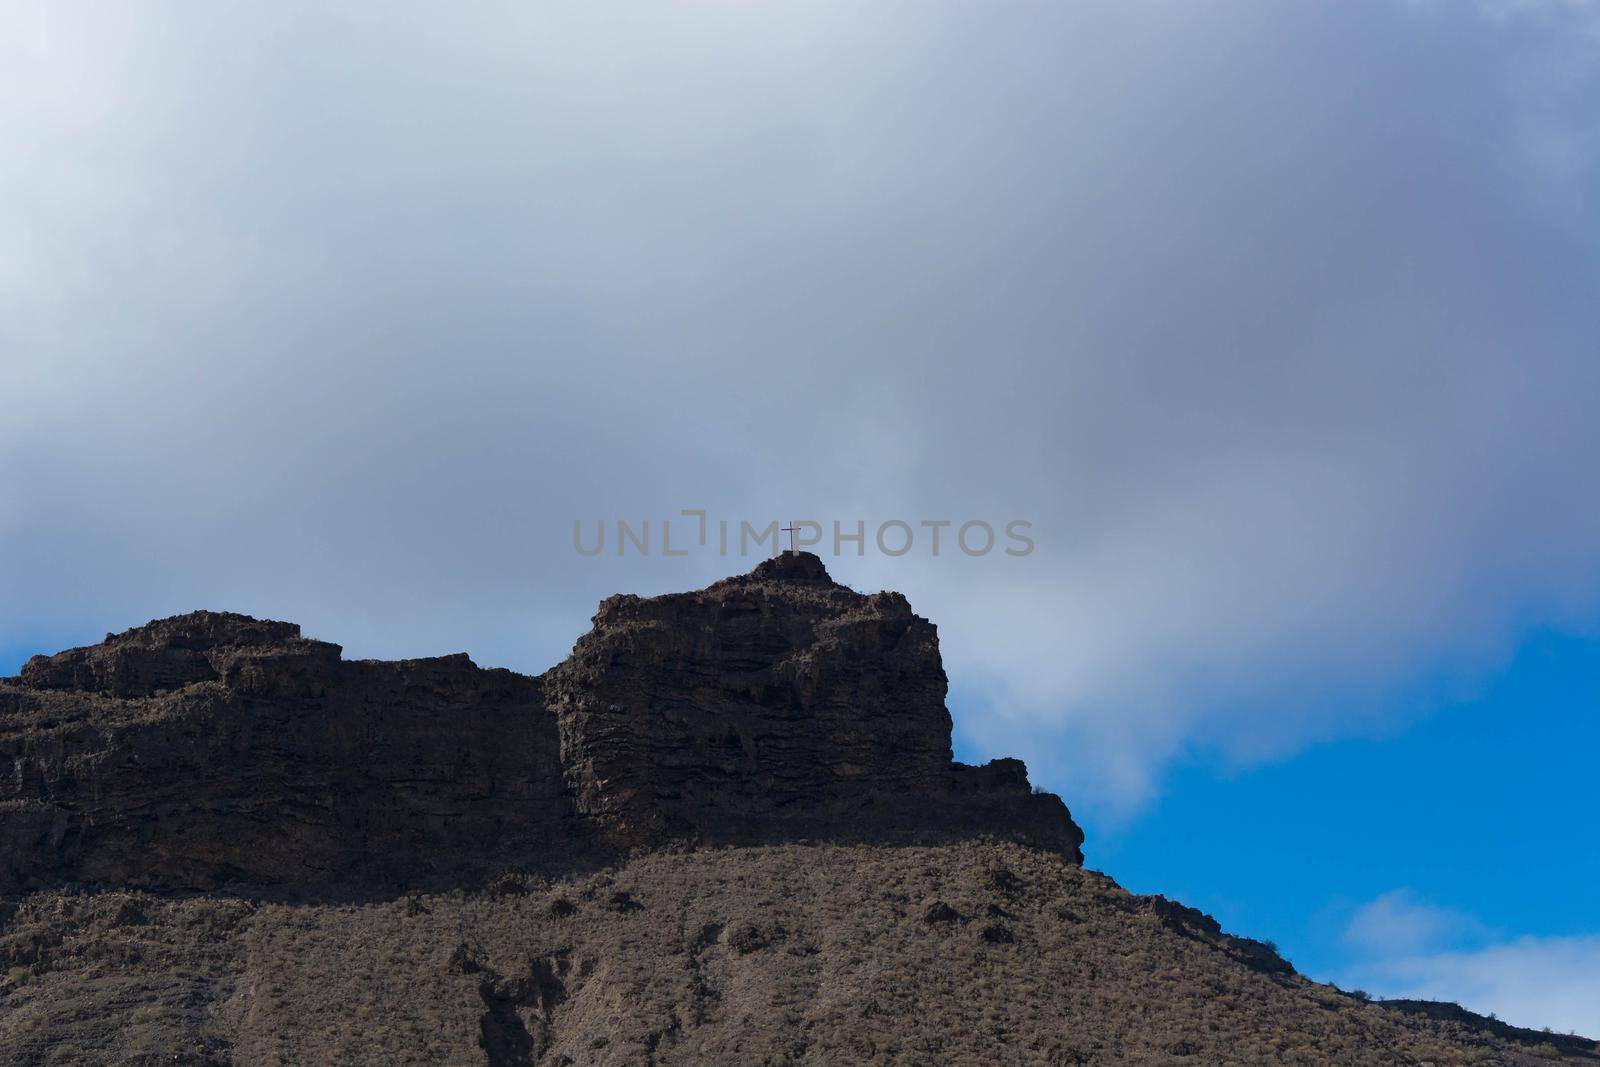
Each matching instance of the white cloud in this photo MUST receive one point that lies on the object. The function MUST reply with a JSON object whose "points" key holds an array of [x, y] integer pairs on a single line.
{"points": [[1398, 923], [1534, 982], [1403, 947]]}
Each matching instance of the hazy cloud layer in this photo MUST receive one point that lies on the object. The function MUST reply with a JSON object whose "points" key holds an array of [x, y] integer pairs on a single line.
{"points": [[1397, 923], [1276, 320]]}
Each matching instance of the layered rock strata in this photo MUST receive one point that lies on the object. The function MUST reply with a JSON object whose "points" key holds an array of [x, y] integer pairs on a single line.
{"points": [[214, 748]]}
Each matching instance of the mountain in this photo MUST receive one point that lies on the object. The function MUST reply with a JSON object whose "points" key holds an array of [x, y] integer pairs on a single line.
{"points": [[727, 829]]}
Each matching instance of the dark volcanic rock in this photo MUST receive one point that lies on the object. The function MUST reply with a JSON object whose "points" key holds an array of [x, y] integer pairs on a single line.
{"points": [[211, 747], [774, 694], [170, 654], [275, 761]]}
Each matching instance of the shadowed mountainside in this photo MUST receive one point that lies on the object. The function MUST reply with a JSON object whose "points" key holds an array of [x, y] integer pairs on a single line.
{"points": [[212, 748]]}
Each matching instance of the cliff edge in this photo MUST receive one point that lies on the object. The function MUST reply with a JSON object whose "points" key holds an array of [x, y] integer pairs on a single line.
{"points": [[214, 748]]}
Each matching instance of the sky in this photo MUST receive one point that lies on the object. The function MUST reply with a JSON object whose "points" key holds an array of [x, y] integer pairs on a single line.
{"points": [[1274, 321]]}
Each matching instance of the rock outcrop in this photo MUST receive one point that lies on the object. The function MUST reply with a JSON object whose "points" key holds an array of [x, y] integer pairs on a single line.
{"points": [[212, 748]]}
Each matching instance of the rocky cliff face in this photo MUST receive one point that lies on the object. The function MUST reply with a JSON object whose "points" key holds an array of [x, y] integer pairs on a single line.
{"points": [[212, 748], [776, 699]]}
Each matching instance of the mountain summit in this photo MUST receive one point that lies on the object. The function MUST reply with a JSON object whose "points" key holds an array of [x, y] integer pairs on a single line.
{"points": [[726, 829], [214, 748]]}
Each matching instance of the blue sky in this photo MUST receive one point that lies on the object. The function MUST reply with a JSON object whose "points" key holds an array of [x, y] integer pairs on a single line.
{"points": [[1276, 320]]}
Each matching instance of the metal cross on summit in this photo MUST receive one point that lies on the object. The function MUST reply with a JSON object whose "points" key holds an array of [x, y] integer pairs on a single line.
{"points": [[790, 531]]}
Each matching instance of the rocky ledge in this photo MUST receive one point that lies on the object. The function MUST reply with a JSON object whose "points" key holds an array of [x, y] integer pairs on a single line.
{"points": [[213, 748]]}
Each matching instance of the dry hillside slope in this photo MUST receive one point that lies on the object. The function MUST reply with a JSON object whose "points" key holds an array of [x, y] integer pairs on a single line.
{"points": [[728, 829]]}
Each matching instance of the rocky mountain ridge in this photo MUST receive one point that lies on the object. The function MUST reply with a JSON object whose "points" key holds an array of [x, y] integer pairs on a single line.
{"points": [[214, 748], [726, 829]]}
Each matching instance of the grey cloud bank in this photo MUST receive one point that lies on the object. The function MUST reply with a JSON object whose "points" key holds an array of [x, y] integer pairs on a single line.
{"points": [[1280, 319]]}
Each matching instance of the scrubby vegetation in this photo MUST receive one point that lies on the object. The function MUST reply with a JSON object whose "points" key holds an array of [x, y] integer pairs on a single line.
{"points": [[969, 953]]}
